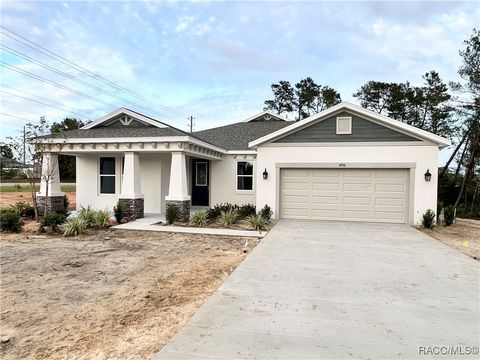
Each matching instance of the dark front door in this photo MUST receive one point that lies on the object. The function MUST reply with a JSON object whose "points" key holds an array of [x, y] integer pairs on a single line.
{"points": [[200, 182]]}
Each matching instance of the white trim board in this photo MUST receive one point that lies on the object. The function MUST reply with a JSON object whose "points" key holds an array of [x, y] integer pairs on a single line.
{"points": [[383, 120], [128, 112]]}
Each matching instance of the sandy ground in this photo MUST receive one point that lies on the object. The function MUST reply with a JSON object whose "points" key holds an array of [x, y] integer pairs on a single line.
{"points": [[464, 235], [10, 198], [113, 294]]}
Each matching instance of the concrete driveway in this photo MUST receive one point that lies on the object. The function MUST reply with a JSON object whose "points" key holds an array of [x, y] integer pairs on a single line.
{"points": [[340, 291]]}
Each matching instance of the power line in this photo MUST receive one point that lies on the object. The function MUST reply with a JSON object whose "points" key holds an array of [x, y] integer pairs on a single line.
{"points": [[39, 102], [47, 81], [69, 63], [15, 116], [40, 78], [48, 67], [42, 98]]}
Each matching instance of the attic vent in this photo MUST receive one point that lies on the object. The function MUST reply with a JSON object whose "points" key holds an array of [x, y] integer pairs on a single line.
{"points": [[344, 125], [126, 120], [267, 117]]}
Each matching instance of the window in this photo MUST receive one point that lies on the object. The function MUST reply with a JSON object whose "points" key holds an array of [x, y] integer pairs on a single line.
{"points": [[107, 175], [201, 174], [344, 125], [244, 175]]}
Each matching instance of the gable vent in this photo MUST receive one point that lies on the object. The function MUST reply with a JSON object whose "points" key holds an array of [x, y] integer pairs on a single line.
{"points": [[344, 125]]}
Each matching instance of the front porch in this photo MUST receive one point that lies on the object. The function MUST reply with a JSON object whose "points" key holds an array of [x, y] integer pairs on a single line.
{"points": [[143, 177]]}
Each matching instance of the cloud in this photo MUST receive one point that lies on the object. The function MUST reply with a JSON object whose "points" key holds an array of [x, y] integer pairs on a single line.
{"points": [[216, 60]]}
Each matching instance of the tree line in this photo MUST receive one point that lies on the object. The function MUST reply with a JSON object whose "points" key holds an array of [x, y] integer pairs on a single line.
{"points": [[448, 109]]}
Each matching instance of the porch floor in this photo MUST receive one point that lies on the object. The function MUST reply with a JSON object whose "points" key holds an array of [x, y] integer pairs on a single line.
{"points": [[150, 222]]}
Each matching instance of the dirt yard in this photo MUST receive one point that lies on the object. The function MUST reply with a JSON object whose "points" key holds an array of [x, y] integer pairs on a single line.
{"points": [[110, 295], [464, 235], [10, 198]]}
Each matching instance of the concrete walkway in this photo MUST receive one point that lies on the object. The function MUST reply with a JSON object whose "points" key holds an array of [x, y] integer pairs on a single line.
{"points": [[317, 290], [151, 223]]}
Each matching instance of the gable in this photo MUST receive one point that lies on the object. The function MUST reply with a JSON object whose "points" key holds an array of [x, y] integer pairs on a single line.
{"points": [[125, 118], [266, 117], [124, 121], [363, 130]]}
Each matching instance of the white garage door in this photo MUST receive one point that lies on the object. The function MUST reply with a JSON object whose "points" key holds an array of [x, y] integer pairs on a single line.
{"points": [[376, 195]]}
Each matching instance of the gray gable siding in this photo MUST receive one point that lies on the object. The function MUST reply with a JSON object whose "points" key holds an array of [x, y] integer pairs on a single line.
{"points": [[362, 131]]}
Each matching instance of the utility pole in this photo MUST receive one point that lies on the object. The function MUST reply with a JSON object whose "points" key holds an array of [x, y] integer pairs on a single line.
{"points": [[24, 162], [191, 118]]}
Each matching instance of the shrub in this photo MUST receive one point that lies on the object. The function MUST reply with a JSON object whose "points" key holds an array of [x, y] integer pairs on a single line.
{"points": [[10, 220], [228, 217], [428, 220], [266, 212], [118, 212], [52, 220], [199, 218], [246, 210], [449, 215], [20, 207], [24, 209], [89, 215], [102, 219], [257, 222], [75, 226], [171, 214], [215, 212]]}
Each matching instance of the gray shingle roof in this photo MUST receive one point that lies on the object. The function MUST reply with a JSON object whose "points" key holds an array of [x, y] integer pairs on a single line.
{"points": [[126, 131], [237, 136], [229, 137]]}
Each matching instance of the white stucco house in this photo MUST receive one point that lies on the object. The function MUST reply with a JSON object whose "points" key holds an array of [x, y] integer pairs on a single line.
{"points": [[345, 163]]}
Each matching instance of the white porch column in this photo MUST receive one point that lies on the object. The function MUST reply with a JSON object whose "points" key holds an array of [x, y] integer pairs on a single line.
{"points": [[50, 198], [131, 177], [178, 189], [131, 196], [50, 178]]}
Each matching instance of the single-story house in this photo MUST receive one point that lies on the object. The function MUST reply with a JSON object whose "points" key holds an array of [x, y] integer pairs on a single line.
{"points": [[344, 163]]}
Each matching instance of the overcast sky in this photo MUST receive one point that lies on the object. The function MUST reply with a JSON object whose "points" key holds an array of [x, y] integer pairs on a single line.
{"points": [[217, 60]]}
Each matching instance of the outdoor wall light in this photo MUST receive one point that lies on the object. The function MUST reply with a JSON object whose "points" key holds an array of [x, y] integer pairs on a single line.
{"points": [[428, 176], [265, 175]]}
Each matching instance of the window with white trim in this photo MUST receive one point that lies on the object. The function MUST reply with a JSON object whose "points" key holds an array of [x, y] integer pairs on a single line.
{"points": [[344, 125], [244, 175], [107, 175]]}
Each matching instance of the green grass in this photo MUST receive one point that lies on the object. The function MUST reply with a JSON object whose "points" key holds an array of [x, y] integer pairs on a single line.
{"points": [[65, 188]]}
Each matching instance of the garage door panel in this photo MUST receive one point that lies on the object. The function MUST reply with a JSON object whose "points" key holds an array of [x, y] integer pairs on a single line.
{"points": [[344, 194], [357, 187], [326, 200], [358, 173], [296, 199], [357, 200], [295, 186], [390, 201], [390, 173], [325, 213], [326, 173], [356, 214], [325, 186], [389, 187], [293, 213]]}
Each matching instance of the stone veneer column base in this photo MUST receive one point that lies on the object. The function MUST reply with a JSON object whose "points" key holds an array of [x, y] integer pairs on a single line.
{"points": [[133, 208], [183, 207], [47, 204]]}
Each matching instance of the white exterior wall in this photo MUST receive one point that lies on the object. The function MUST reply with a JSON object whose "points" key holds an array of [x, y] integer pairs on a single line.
{"points": [[223, 181], [422, 194], [154, 179]]}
